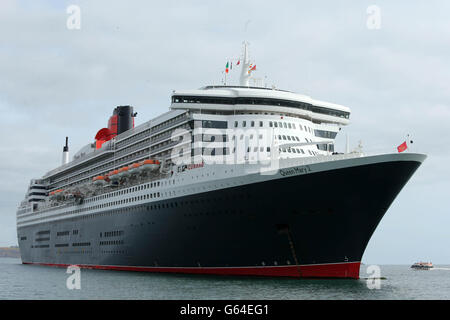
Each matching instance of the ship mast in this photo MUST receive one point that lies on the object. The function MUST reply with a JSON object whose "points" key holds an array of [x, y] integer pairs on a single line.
{"points": [[245, 74]]}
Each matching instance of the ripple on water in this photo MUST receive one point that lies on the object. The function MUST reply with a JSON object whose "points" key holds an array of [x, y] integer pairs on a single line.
{"points": [[38, 282]]}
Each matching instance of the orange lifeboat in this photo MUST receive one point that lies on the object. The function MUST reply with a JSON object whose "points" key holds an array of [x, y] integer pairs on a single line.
{"points": [[57, 194], [135, 168], [99, 180], [150, 165], [114, 175], [123, 172]]}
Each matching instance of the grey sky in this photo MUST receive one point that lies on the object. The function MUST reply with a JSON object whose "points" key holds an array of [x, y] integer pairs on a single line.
{"points": [[56, 82]]}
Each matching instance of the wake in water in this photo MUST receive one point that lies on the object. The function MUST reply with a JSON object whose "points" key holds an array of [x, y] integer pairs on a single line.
{"points": [[434, 268]]}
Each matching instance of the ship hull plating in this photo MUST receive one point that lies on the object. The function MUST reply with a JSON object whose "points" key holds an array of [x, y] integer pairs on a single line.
{"points": [[310, 225]]}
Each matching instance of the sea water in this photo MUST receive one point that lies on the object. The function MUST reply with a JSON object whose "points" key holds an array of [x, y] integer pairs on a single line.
{"points": [[18, 281]]}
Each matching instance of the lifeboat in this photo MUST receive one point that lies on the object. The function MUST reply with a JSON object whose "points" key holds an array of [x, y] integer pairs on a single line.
{"points": [[123, 172], [99, 181], [56, 195], [135, 168], [114, 175], [150, 165]]}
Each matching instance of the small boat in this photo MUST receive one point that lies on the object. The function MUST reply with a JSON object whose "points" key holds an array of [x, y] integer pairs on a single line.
{"points": [[135, 168], [123, 172], [99, 181], [114, 175], [150, 165], [422, 265], [56, 195]]}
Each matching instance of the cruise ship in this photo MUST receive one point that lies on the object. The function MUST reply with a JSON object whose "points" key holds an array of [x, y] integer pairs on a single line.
{"points": [[232, 180]]}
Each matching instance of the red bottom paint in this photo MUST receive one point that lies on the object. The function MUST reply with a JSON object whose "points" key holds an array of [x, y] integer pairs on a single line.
{"points": [[332, 270]]}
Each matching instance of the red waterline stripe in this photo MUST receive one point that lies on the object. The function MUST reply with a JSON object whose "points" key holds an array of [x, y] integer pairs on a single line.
{"points": [[333, 270]]}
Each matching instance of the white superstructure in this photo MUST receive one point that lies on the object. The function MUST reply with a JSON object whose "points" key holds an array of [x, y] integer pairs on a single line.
{"points": [[209, 134]]}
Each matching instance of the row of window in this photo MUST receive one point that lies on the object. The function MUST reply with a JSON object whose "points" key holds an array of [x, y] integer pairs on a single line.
{"points": [[214, 124], [122, 192], [105, 205], [147, 132], [325, 134], [41, 246], [114, 203], [297, 150], [129, 190], [37, 187], [225, 151], [59, 245], [158, 207], [261, 101], [274, 124], [111, 242], [290, 138], [37, 194], [115, 233], [81, 244], [43, 232]]}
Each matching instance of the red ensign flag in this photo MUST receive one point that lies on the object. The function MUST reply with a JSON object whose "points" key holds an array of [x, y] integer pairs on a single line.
{"points": [[402, 147]]}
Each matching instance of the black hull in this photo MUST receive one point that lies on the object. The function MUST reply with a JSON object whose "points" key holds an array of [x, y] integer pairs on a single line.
{"points": [[310, 225]]}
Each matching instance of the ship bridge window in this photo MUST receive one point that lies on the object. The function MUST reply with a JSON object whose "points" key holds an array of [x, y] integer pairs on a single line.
{"points": [[325, 134], [261, 101], [214, 124], [38, 187], [37, 194], [326, 147]]}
